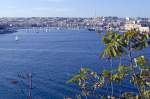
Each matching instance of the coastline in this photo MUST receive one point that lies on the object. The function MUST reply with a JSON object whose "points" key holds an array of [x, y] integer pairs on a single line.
{"points": [[7, 31]]}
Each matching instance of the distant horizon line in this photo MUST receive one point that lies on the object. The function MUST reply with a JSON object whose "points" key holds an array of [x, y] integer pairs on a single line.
{"points": [[70, 17]]}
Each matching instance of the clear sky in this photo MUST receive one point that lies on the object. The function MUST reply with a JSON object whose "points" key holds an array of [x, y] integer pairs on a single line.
{"points": [[74, 8]]}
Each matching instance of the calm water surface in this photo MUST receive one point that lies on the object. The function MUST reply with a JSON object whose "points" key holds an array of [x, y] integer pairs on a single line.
{"points": [[53, 58]]}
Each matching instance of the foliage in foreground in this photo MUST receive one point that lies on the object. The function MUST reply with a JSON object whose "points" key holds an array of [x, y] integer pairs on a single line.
{"points": [[137, 71]]}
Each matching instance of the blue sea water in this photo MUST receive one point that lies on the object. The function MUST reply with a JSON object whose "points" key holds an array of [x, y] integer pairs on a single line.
{"points": [[53, 58]]}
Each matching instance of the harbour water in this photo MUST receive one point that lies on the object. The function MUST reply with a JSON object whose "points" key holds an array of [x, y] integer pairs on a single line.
{"points": [[53, 58]]}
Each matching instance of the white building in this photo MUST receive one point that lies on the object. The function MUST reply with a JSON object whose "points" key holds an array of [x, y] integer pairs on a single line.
{"points": [[131, 26], [144, 29], [137, 27]]}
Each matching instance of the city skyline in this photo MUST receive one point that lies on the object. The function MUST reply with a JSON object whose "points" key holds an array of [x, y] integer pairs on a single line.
{"points": [[76, 8]]}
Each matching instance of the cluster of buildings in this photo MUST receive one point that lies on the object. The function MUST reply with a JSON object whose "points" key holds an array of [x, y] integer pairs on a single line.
{"points": [[141, 24], [97, 23]]}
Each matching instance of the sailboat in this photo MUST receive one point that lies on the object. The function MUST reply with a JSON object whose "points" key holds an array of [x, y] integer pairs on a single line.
{"points": [[16, 38]]}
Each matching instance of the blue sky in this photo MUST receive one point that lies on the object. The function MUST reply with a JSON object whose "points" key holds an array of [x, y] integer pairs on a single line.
{"points": [[74, 8]]}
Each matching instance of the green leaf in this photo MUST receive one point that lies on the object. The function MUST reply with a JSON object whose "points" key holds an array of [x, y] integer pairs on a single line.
{"points": [[142, 62], [74, 79], [106, 73], [123, 69]]}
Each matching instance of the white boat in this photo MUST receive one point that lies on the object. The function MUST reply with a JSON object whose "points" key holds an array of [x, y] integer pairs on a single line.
{"points": [[16, 38], [58, 28]]}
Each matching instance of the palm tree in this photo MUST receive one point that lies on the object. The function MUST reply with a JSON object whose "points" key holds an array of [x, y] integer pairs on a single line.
{"points": [[133, 41], [113, 48]]}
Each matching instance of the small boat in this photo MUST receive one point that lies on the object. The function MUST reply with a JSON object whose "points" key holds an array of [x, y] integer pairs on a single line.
{"points": [[58, 28], [91, 29], [16, 38]]}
